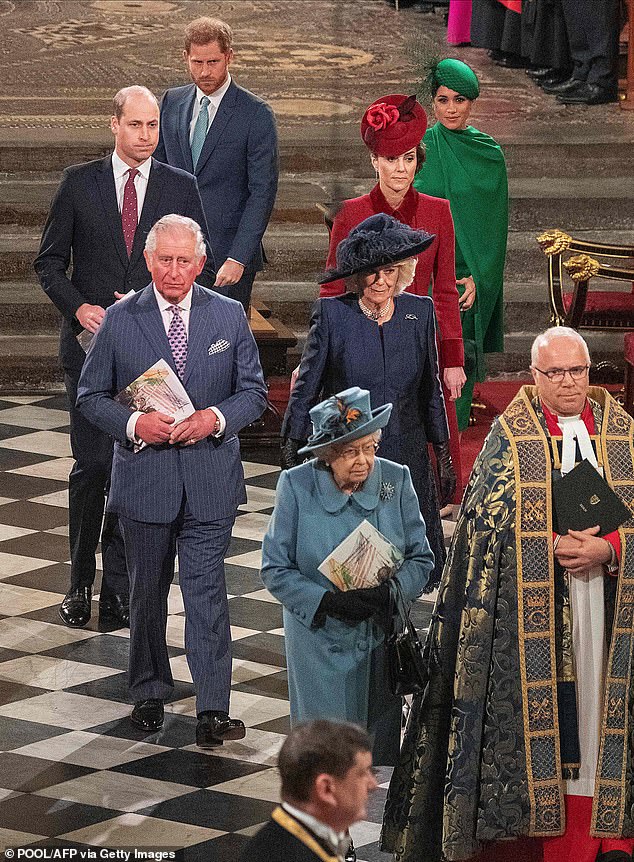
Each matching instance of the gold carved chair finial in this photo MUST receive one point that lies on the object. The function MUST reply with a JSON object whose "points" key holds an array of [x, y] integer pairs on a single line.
{"points": [[554, 242], [581, 267]]}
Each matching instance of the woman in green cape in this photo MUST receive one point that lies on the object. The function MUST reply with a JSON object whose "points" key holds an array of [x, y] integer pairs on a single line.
{"points": [[467, 167]]}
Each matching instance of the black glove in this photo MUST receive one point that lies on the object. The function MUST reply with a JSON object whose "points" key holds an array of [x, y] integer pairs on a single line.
{"points": [[289, 457], [349, 606], [354, 605], [446, 473]]}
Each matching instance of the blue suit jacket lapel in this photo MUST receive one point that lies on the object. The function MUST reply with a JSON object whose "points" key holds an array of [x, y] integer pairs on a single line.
{"points": [[108, 197], [223, 115], [151, 324], [200, 330], [185, 111]]}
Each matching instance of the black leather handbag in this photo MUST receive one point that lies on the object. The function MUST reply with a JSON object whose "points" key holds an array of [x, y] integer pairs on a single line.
{"points": [[406, 668]]}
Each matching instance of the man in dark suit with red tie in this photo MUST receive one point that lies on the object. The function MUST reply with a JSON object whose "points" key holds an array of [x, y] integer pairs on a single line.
{"points": [[99, 219]]}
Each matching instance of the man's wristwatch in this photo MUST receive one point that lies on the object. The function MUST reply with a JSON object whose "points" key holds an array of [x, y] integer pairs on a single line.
{"points": [[613, 565]]}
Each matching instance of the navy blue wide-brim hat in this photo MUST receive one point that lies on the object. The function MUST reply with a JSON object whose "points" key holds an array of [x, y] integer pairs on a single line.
{"points": [[344, 417], [378, 241]]}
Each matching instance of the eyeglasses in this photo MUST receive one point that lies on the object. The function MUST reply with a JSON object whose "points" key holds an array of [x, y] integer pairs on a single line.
{"points": [[557, 375], [352, 453]]}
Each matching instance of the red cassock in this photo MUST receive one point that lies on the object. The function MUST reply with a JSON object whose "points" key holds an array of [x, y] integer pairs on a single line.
{"points": [[436, 264]]}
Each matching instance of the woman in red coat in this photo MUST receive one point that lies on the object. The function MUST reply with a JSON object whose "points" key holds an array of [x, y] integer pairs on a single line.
{"points": [[392, 129]]}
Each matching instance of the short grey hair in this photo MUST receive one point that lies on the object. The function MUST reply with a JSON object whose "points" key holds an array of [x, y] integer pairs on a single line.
{"points": [[173, 222], [406, 269], [333, 449], [120, 98], [544, 339]]}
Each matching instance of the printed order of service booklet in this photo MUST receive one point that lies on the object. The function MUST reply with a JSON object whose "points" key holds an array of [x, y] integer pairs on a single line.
{"points": [[157, 389], [365, 558]]}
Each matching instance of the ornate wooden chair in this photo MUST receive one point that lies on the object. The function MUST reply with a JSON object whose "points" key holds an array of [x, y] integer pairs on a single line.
{"points": [[583, 305]]}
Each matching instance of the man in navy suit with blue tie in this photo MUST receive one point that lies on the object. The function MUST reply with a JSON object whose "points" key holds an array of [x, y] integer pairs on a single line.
{"points": [[182, 490], [226, 136]]}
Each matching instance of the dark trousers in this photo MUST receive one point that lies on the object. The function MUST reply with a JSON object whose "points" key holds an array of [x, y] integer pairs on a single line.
{"points": [[241, 290], [150, 551], [593, 34], [87, 487]]}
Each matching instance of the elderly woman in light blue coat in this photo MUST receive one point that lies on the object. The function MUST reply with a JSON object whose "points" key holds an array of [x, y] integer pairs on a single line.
{"points": [[335, 639]]}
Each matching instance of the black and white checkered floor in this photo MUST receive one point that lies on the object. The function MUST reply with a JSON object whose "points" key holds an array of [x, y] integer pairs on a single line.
{"points": [[73, 769]]}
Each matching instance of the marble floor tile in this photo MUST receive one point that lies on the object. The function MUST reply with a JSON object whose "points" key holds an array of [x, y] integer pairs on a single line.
{"points": [[136, 830], [39, 545], [261, 785], [112, 790], [9, 532], [209, 808], [59, 531], [36, 516], [56, 468], [30, 416], [40, 442], [262, 595], [30, 774], [251, 469], [62, 709], [238, 632], [258, 746], [13, 838], [90, 749], [254, 709], [51, 673], [34, 636], [25, 399], [56, 498], [252, 559], [257, 498], [50, 817], [251, 526], [5, 500], [20, 600]]}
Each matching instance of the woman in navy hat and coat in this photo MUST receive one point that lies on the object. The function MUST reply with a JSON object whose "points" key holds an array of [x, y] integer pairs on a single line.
{"points": [[334, 638], [383, 339]]}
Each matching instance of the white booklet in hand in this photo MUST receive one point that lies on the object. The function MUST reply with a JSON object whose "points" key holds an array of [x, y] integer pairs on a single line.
{"points": [[157, 390], [365, 558]]}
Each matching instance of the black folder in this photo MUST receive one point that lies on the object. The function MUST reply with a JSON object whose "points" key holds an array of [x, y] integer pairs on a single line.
{"points": [[582, 499]]}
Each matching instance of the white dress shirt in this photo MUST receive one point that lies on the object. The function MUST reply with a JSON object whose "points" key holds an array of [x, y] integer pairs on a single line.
{"points": [[165, 307], [120, 171], [214, 103]]}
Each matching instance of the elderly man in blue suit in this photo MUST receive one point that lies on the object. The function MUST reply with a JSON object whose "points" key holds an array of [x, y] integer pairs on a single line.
{"points": [[226, 136], [182, 490]]}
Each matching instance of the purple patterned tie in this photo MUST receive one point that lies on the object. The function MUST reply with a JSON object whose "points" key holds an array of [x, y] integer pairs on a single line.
{"points": [[177, 338], [129, 213]]}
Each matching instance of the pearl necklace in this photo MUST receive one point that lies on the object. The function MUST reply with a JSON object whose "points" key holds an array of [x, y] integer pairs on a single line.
{"points": [[375, 315]]}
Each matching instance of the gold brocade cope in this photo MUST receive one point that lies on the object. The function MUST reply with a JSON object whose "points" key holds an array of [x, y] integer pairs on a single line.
{"points": [[536, 622], [298, 831]]}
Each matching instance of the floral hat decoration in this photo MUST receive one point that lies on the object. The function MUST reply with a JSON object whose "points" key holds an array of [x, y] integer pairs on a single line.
{"points": [[392, 125], [344, 417]]}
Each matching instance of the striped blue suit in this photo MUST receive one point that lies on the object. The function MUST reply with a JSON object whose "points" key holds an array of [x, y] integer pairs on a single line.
{"points": [[166, 495]]}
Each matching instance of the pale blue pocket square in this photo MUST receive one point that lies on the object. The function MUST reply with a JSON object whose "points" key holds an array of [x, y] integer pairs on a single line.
{"points": [[218, 346]]}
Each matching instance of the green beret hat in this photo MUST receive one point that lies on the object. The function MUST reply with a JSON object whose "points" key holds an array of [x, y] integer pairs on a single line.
{"points": [[457, 76]]}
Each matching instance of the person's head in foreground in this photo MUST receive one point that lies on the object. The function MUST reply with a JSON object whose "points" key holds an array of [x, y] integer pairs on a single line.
{"points": [[346, 434], [560, 365], [326, 771]]}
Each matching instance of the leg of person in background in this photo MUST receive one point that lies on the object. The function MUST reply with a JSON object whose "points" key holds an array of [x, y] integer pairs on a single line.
{"points": [[575, 28], [459, 23], [87, 483], [600, 22]]}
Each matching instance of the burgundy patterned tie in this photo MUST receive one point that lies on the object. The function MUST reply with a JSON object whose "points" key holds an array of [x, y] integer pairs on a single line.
{"points": [[129, 214], [177, 337]]}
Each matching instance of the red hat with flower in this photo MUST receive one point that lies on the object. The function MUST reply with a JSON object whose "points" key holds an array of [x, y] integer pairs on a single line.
{"points": [[392, 125]]}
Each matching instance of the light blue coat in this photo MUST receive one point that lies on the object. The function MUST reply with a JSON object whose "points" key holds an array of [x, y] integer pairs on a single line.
{"points": [[337, 671]]}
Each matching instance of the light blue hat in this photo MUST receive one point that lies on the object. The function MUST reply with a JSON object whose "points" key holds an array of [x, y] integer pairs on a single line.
{"points": [[344, 417]]}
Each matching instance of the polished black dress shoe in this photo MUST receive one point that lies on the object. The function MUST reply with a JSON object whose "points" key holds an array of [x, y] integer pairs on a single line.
{"points": [[589, 94], [114, 612], [351, 853], [75, 609], [554, 79], [511, 61], [540, 72], [214, 727], [566, 86], [148, 714]]}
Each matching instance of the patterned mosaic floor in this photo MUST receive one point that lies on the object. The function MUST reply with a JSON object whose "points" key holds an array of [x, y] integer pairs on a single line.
{"points": [[73, 769]]}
